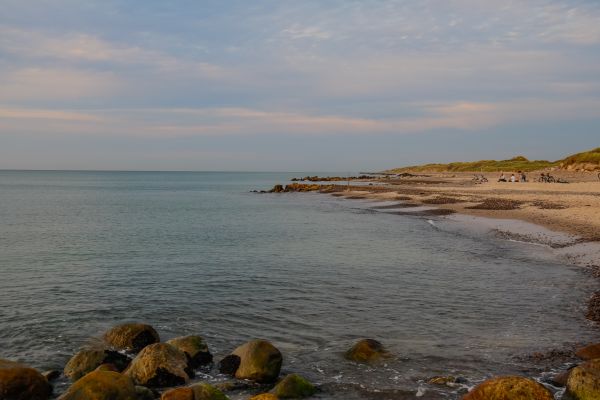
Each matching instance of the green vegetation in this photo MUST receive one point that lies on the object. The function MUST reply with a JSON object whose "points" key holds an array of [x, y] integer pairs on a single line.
{"points": [[586, 160]]}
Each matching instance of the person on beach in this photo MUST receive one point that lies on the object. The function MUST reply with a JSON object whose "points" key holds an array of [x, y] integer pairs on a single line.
{"points": [[523, 176], [512, 178], [502, 177]]}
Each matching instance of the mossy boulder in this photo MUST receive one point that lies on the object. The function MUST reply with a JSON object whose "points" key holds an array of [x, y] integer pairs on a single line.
{"points": [[509, 388], [183, 393], [293, 386], [265, 396], [87, 360], [196, 349], [589, 352], [260, 361], [366, 351], [204, 391], [131, 337], [102, 385], [160, 365], [21, 382], [584, 381]]}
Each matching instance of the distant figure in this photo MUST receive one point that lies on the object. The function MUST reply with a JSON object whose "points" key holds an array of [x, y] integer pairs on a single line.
{"points": [[502, 177], [512, 178], [523, 177]]}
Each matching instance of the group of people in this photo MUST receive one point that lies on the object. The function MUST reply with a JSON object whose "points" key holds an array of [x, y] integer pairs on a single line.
{"points": [[513, 178]]}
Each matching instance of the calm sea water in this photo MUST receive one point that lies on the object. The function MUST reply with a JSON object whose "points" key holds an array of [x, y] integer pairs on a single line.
{"points": [[196, 253]]}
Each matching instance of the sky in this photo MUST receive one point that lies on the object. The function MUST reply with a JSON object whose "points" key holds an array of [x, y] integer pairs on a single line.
{"points": [[295, 85]]}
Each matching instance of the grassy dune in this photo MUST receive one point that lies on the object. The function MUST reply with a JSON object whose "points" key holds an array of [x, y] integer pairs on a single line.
{"points": [[589, 160]]}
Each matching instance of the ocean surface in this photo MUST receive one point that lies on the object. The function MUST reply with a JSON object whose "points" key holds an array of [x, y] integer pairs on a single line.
{"points": [[197, 253]]}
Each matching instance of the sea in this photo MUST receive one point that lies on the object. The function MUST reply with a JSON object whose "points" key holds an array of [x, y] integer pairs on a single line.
{"points": [[200, 253]]}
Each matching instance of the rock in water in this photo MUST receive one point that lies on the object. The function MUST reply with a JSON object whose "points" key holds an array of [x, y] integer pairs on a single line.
{"points": [[589, 352], [584, 381], [264, 396], [160, 365], [184, 393], [20, 382], [229, 364], [293, 386], [260, 361], [366, 351], [131, 337], [87, 360], [102, 385], [196, 349], [204, 391], [509, 388]]}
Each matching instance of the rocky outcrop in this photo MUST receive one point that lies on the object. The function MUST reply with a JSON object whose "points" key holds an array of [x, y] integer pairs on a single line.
{"points": [[196, 349], [20, 382], [102, 385], [160, 365], [509, 388], [584, 381], [131, 337], [260, 361], [366, 351], [293, 386], [87, 360]]}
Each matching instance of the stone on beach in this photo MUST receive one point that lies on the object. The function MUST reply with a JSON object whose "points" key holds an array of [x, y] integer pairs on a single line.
{"points": [[160, 365], [260, 361], [509, 388], [293, 386], [20, 382], [102, 385], [366, 351], [131, 337], [584, 381], [196, 349], [87, 360], [589, 352]]}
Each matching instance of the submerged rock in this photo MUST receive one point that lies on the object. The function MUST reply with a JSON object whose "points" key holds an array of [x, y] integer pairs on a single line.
{"points": [[102, 385], [87, 360], [442, 380], [131, 337], [196, 349], [21, 382], [589, 352], [260, 361], [293, 386], [366, 351], [509, 388], [160, 365], [584, 381]]}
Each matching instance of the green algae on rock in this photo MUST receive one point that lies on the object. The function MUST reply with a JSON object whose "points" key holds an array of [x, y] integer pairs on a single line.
{"points": [[509, 388], [293, 386], [21, 382]]}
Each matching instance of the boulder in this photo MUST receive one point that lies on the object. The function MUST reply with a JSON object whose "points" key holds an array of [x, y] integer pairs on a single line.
{"points": [[143, 393], [51, 375], [366, 351], [589, 352], [131, 337], [584, 381], [160, 365], [87, 360], [229, 364], [196, 349], [293, 386], [184, 393], [260, 361], [102, 385], [264, 396], [509, 388], [204, 391], [107, 367], [20, 382]]}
